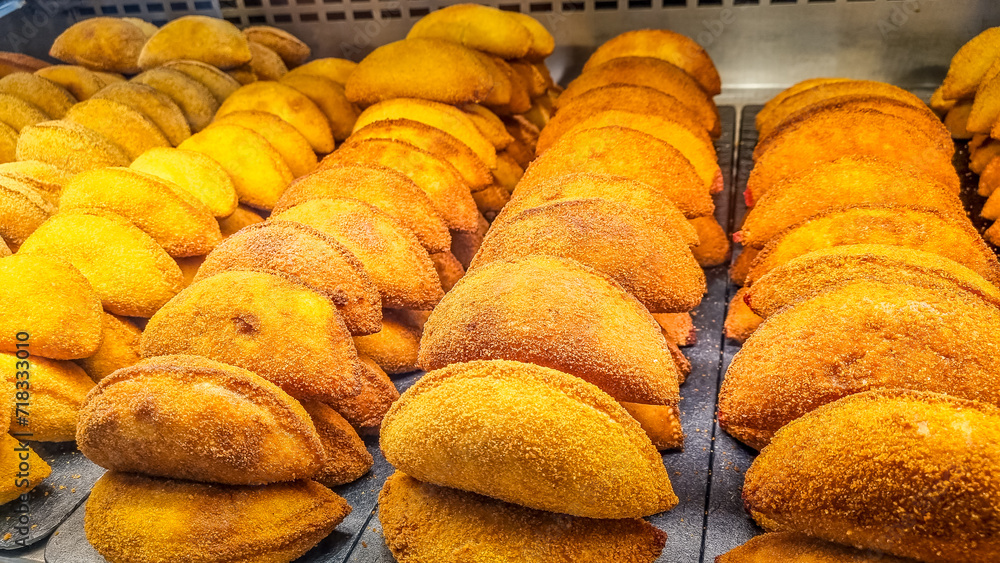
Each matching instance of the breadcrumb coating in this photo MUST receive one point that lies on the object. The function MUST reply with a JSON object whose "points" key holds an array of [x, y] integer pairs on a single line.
{"points": [[611, 150], [660, 423], [195, 100], [220, 84], [382, 187], [970, 64], [843, 182], [528, 435], [651, 263], [741, 321], [558, 313], [266, 323], [862, 132], [291, 49], [102, 43], [447, 191], [265, 63], [713, 244], [677, 328], [152, 103], [427, 68], [176, 220], [330, 98], [210, 40], [19, 113], [131, 274], [652, 73], [58, 390], [431, 139], [912, 474], [53, 302], [618, 189], [423, 523], [41, 175], [901, 337], [50, 97], [10, 464], [308, 256], [483, 28], [193, 172], [23, 208], [464, 245], [80, 82], [791, 547], [338, 70], [924, 229], [69, 146], [119, 348], [392, 256], [395, 347], [661, 44], [208, 523], [287, 103], [293, 147], [825, 269], [243, 216], [345, 458], [449, 269], [187, 417]]}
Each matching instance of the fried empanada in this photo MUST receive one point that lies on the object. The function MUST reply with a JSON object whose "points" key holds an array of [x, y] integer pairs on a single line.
{"points": [[242, 217], [293, 147], [445, 188], [820, 271], [119, 348], [52, 303], [176, 220], [449, 269], [220, 84], [613, 151], [311, 258], [612, 188], [131, 274], [19, 62], [386, 189], [13, 453], [58, 389], [431, 139], [119, 123], [8, 143], [483, 28], [210, 40], [661, 44], [426, 68], [69, 146], [195, 100], [465, 244], [141, 419], [652, 73], [338, 70], [257, 321], [913, 475], [423, 522], [265, 63], [830, 135], [345, 458], [256, 168], [791, 547], [152, 103], [970, 64], [20, 114], [442, 116], [275, 523], [740, 321], [365, 412], [195, 173], [48, 96], [288, 104], [290, 48], [395, 348], [713, 244], [651, 263], [329, 97], [40, 174], [101, 43], [857, 337], [550, 453], [80, 82], [847, 181], [558, 313], [23, 208]]}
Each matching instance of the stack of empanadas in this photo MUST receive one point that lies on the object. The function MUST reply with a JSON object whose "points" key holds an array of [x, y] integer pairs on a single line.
{"points": [[870, 310]]}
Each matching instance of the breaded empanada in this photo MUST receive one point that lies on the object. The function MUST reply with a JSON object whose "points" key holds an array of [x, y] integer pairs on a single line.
{"points": [[210, 40]]}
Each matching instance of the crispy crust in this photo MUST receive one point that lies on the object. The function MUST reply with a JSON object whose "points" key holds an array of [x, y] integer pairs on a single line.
{"points": [[212, 41], [908, 473], [23, 208], [970, 64], [423, 523], [713, 244], [392, 256], [58, 389], [612, 150], [208, 523], [829, 268], [395, 348], [119, 348], [330, 98], [288, 104], [345, 457], [69, 146], [140, 420], [530, 455], [195, 100], [900, 225], [741, 321], [792, 547], [662, 44], [50, 97], [901, 337], [152, 103], [494, 313], [831, 135], [382, 187], [477, 27], [843, 182], [290, 48], [122, 125], [220, 84], [67, 327], [194, 173], [651, 263], [312, 258], [293, 147], [105, 44], [365, 412], [258, 321]]}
